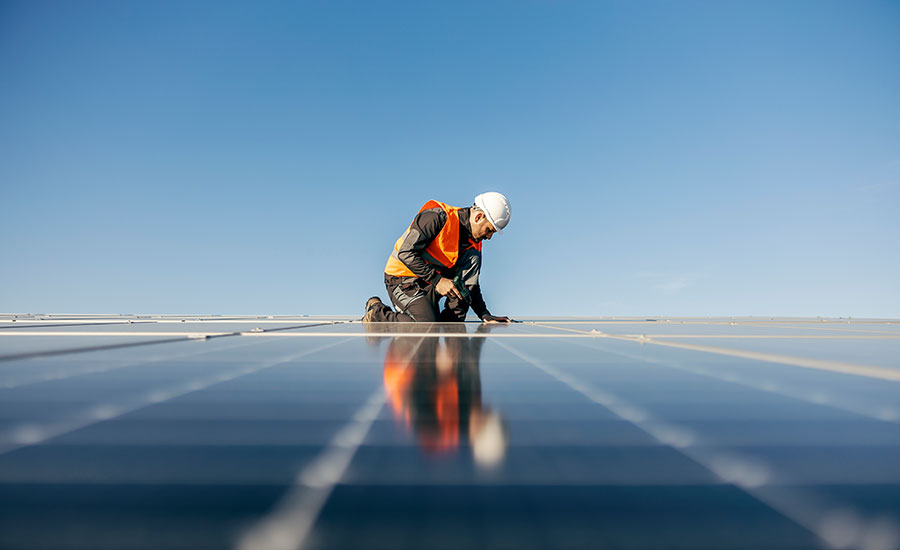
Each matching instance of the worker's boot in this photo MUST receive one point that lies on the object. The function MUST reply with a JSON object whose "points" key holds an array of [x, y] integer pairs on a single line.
{"points": [[372, 305]]}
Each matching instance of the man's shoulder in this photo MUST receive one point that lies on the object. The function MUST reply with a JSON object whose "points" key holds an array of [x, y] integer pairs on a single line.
{"points": [[432, 214]]}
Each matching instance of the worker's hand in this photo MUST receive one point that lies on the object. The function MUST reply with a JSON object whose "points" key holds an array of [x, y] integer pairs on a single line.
{"points": [[445, 287], [495, 319]]}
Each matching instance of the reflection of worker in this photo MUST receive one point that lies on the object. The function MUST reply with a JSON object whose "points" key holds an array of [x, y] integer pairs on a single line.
{"points": [[442, 244], [434, 387]]}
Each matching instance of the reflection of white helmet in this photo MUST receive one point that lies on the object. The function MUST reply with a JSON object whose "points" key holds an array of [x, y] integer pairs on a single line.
{"points": [[496, 208], [489, 440]]}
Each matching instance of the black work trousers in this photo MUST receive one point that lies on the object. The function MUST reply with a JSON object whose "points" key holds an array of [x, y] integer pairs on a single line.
{"points": [[417, 301]]}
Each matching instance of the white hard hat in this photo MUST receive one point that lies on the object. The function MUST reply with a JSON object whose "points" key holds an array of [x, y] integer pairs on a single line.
{"points": [[496, 207]]}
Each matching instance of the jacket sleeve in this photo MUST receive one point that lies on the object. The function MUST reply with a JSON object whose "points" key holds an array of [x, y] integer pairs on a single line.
{"points": [[478, 305], [425, 227]]}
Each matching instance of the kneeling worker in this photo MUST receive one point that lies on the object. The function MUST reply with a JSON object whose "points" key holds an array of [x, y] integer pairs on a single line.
{"points": [[440, 255]]}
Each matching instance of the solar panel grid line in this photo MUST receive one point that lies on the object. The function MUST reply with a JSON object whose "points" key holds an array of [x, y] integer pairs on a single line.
{"points": [[813, 395], [868, 408], [85, 349], [33, 434], [199, 334], [814, 512], [836, 329], [764, 336], [292, 519], [75, 319], [293, 327], [13, 318], [17, 380], [667, 434], [820, 364], [7, 322], [710, 321], [284, 334], [412, 334], [842, 329], [21, 325], [171, 336], [834, 366]]}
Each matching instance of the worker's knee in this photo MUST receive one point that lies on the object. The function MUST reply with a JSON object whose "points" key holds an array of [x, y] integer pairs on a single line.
{"points": [[425, 314], [418, 305]]}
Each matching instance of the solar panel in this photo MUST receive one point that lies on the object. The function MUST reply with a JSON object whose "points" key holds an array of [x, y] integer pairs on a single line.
{"points": [[269, 433]]}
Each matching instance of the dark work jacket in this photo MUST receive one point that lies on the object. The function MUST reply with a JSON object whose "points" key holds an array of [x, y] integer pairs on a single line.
{"points": [[424, 228]]}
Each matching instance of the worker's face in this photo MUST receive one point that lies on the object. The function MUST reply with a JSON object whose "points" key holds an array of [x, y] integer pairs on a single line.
{"points": [[482, 228]]}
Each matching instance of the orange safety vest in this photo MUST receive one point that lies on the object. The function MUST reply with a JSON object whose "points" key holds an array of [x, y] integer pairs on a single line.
{"points": [[443, 250]]}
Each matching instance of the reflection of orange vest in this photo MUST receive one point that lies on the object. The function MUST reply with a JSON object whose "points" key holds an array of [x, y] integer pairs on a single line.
{"points": [[398, 377], [447, 409], [443, 250]]}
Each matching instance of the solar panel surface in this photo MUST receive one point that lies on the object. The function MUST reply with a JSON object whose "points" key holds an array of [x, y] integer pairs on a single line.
{"points": [[269, 433]]}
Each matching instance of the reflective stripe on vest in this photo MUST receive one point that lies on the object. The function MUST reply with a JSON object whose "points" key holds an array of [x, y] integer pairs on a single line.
{"points": [[442, 251]]}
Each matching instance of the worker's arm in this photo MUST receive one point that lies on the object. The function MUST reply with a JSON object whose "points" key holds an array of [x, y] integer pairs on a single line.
{"points": [[424, 228]]}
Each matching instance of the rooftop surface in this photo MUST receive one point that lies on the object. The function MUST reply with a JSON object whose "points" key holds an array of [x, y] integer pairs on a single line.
{"points": [[286, 432]]}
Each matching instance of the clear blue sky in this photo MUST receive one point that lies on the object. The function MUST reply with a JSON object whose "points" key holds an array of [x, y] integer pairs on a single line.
{"points": [[662, 158]]}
